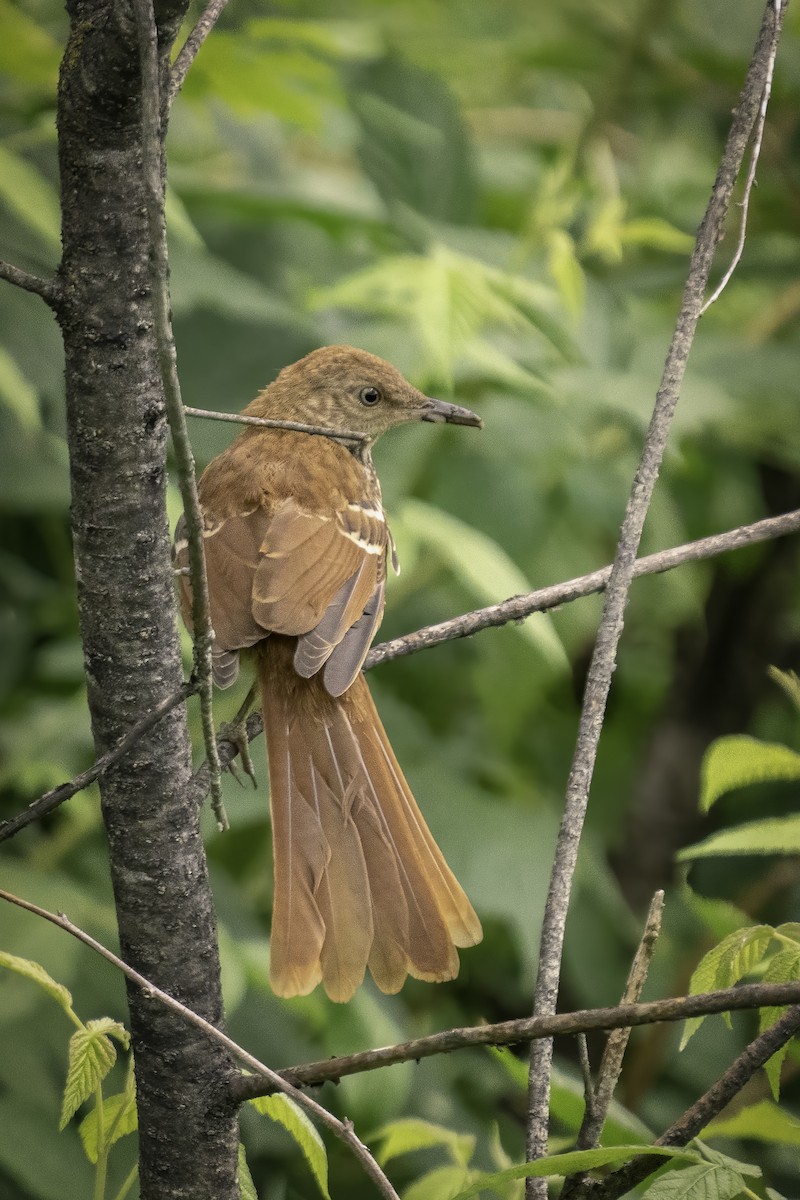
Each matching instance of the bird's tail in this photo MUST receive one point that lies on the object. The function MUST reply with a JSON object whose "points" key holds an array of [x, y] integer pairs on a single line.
{"points": [[359, 880]]}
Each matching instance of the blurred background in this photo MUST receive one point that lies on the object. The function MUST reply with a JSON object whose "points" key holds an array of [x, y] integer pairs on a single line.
{"points": [[500, 199]]}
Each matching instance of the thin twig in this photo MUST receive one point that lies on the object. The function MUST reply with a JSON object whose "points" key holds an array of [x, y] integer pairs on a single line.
{"points": [[695, 1119], [610, 630], [340, 435], [152, 166], [50, 800], [616, 1044], [755, 153], [529, 1029], [188, 52], [519, 607], [547, 598], [46, 288], [342, 1129]]}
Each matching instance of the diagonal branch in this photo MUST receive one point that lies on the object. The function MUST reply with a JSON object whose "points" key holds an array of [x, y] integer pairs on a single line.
{"points": [[188, 52], [50, 800], [610, 630], [342, 1129], [695, 1119]]}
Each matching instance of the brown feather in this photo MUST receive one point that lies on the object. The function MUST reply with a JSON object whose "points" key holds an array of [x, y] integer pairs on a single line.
{"points": [[371, 875]]}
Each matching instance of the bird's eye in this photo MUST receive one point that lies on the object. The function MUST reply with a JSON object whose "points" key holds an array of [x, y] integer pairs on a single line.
{"points": [[369, 396]]}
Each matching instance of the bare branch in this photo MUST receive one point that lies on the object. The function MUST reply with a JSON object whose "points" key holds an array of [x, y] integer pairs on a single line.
{"points": [[268, 423], [529, 1029], [547, 598], [519, 607], [65, 791], [751, 171], [152, 166], [342, 1129], [706, 1108], [188, 52], [46, 288], [610, 630]]}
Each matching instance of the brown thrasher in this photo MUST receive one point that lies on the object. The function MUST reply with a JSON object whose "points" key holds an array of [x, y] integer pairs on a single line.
{"points": [[296, 547]]}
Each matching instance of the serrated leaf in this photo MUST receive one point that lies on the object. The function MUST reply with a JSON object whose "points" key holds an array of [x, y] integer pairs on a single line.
{"points": [[247, 1189], [30, 196], [91, 1057], [485, 569], [718, 968], [410, 1133], [119, 1119], [704, 1181], [782, 968], [764, 1122], [37, 974], [735, 762], [288, 1114], [559, 1165], [775, 835]]}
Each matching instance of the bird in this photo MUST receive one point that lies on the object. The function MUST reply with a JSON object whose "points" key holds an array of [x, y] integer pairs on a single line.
{"points": [[297, 549]]}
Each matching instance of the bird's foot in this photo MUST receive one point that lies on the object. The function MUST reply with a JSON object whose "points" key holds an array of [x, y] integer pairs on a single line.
{"points": [[235, 732]]}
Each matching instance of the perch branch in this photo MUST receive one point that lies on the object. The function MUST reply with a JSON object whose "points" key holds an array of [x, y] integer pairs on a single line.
{"points": [[188, 52], [610, 629], [342, 1129], [528, 1029], [269, 423], [152, 166]]}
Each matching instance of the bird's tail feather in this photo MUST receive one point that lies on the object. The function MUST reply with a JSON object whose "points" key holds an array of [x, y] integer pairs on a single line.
{"points": [[359, 879]]}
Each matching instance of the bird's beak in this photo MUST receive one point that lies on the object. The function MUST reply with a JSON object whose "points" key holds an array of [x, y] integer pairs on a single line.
{"points": [[453, 414]]}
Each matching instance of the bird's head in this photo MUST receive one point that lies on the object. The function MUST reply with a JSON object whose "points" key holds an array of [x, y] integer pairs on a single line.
{"points": [[345, 389]]}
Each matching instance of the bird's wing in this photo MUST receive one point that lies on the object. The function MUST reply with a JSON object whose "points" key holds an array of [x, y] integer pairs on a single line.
{"points": [[321, 577]]}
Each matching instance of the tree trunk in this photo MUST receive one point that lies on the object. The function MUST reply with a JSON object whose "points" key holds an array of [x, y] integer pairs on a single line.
{"points": [[117, 439]]}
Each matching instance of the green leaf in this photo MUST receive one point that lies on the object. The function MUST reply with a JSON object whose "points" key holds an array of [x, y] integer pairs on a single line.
{"points": [[657, 234], [30, 196], [409, 1134], [765, 1121], [27, 53], [450, 300], [442, 1183], [775, 835], [725, 964], [703, 1181], [735, 762], [789, 682], [485, 570], [247, 1189], [119, 1119], [566, 1164], [17, 393], [782, 968], [91, 1057], [284, 1110], [37, 974]]}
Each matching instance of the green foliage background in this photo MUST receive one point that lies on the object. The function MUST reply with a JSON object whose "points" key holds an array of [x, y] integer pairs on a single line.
{"points": [[501, 200]]}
